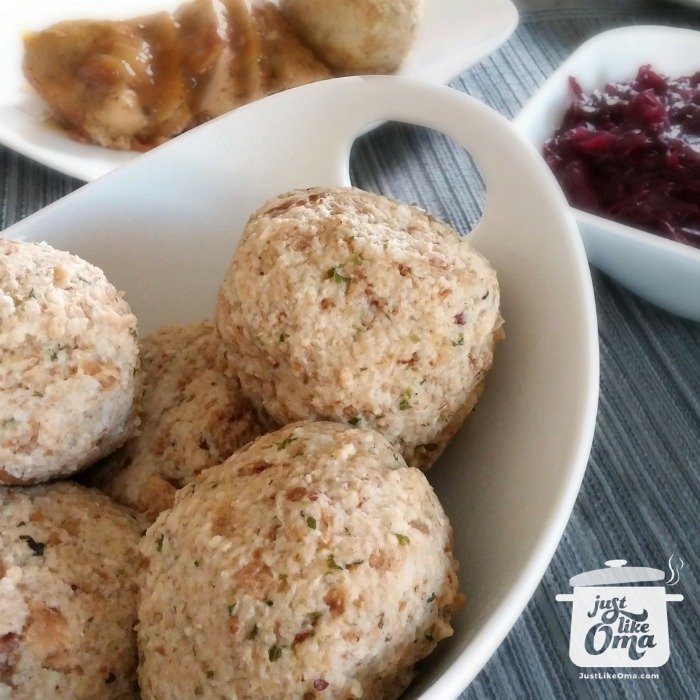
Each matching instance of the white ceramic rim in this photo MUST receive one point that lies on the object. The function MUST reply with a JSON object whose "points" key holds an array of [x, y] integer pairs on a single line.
{"points": [[463, 671], [652, 240]]}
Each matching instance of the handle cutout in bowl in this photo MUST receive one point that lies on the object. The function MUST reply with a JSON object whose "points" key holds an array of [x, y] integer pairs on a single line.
{"points": [[420, 152]]}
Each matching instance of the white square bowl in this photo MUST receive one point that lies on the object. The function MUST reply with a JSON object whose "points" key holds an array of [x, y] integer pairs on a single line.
{"points": [[664, 272]]}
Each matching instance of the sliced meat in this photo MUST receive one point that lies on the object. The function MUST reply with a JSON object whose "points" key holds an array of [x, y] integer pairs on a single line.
{"points": [[132, 85], [236, 79], [165, 96], [117, 84], [90, 73], [285, 61], [203, 37], [202, 32]]}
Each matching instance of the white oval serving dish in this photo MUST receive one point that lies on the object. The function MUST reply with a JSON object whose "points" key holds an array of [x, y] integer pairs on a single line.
{"points": [[454, 34], [164, 228], [662, 271]]}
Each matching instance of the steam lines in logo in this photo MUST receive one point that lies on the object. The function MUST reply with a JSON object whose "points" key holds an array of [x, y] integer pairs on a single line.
{"points": [[674, 572]]}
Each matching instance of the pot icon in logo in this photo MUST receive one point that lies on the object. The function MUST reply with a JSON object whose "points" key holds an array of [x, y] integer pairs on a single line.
{"points": [[615, 623]]}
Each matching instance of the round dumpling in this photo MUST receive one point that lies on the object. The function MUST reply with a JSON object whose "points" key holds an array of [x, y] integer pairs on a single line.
{"points": [[192, 417], [357, 36], [313, 560], [69, 560], [347, 306], [68, 356]]}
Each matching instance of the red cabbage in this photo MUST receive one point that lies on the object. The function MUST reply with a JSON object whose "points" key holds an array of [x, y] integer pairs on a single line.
{"points": [[631, 152]]}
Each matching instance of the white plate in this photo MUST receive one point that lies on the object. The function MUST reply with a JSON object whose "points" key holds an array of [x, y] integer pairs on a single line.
{"points": [[454, 35], [165, 234], [665, 272]]}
